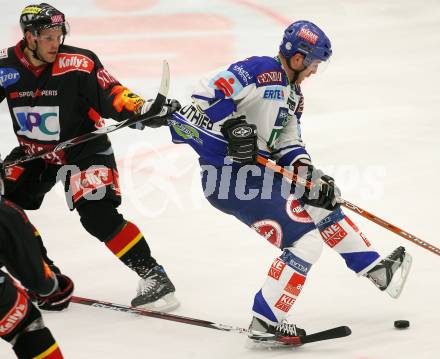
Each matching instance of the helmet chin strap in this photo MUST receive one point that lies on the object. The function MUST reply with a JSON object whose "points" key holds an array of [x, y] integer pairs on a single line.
{"points": [[35, 53]]}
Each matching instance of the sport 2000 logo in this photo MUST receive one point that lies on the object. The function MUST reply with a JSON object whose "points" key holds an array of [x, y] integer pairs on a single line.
{"points": [[38, 123]]}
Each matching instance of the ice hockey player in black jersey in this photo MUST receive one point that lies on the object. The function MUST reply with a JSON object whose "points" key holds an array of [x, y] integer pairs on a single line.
{"points": [[21, 323], [56, 92]]}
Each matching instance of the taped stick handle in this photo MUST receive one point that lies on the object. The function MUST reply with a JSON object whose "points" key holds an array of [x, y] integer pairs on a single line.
{"points": [[362, 212]]}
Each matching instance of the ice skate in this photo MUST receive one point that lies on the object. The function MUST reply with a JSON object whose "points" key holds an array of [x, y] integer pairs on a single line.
{"points": [[156, 292], [391, 273], [281, 335]]}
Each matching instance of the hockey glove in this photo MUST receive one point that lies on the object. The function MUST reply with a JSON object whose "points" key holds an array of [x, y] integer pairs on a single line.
{"points": [[323, 193], [170, 106], [60, 299], [242, 140]]}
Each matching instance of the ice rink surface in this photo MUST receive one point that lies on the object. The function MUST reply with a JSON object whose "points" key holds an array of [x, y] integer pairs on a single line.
{"points": [[371, 120]]}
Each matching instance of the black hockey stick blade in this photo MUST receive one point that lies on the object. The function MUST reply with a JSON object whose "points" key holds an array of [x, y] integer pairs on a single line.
{"points": [[153, 112], [332, 333]]}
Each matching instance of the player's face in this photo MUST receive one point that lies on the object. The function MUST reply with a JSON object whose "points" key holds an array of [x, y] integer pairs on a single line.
{"points": [[48, 43], [308, 71]]}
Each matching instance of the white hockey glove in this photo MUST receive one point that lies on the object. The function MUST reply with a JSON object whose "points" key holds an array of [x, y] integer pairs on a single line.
{"points": [[170, 106]]}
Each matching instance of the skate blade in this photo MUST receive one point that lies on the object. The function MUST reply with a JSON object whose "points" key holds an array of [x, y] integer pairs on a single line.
{"points": [[398, 281], [268, 344], [165, 304]]}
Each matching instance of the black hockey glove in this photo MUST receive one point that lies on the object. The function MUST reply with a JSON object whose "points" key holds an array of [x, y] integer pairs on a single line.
{"points": [[242, 140], [60, 299], [170, 106], [323, 193]]}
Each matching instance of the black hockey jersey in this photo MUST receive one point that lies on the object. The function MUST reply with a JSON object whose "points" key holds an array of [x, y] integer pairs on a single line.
{"points": [[56, 102], [20, 251]]}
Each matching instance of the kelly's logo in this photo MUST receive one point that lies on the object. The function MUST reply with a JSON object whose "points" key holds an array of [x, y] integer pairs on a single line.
{"points": [[72, 62]]}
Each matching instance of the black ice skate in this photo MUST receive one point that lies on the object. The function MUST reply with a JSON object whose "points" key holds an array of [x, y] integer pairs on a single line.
{"points": [[281, 335], [156, 292], [391, 273]]}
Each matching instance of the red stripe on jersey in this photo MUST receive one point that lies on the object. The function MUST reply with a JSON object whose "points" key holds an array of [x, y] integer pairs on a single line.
{"points": [[125, 239]]}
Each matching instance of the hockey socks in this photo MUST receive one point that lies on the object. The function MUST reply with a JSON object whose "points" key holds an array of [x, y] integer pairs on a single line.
{"points": [[341, 234], [37, 344], [283, 285], [130, 246]]}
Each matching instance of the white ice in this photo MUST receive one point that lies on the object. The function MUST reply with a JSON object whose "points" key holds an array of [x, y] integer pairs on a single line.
{"points": [[371, 119]]}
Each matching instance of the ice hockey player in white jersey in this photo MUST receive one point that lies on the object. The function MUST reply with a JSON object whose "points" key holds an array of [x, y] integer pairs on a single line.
{"points": [[254, 107]]}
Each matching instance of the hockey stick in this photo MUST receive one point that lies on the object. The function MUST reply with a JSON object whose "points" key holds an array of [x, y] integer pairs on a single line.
{"points": [[332, 333], [295, 178], [152, 113]]}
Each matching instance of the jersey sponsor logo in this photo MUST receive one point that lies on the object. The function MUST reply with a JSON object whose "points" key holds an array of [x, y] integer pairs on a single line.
{"points": [[33, 94], [284, 303], [282, 117], [333, 234], [186, 131], [270, 78], [281, 121], [72, 62], [276, 269], [295, 284], [196, 117], [3, 53], [298, 264], [227, 83], [38, 123], [296, 211], [13, 173], [308, 35], [13, 318], [356, 229], [105, 79], [270, 230], [274, 93], [8, 77], [95, 177], [242, 74], [32, 149]]}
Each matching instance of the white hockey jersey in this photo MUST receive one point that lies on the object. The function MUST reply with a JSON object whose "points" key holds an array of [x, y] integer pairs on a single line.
{"points": [[256, 90]]}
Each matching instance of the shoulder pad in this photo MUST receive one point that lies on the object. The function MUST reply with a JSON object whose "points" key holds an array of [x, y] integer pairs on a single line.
{"points": [[259, 70]]}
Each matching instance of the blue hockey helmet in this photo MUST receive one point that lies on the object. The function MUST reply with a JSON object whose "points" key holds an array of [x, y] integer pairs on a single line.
{"points": [[306, 38]]}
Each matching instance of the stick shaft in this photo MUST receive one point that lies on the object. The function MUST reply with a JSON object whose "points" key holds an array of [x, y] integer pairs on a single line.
{"points": [[362, 212]]}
